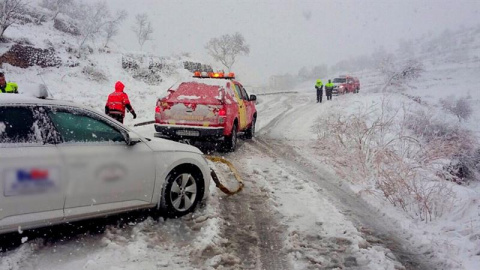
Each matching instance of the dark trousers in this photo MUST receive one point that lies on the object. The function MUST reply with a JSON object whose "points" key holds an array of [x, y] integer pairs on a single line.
{"points": [[117, 116], [319, 95], [329, 94]]}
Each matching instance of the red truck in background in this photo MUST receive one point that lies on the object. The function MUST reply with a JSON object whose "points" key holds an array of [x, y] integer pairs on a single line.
{"points": [[345, 84], [211, 106]]}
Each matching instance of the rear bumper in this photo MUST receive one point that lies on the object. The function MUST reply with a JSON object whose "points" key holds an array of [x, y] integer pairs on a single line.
{"points": [[191, 132], [339, 91]]}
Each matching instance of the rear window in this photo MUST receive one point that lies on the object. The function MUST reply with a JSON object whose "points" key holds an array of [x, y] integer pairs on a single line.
{"points": [[193, 92], [339, 80]]}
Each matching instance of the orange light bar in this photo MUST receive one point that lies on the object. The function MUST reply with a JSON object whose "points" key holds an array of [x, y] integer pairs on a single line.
{"points": [[217, 75], [214, 75]]}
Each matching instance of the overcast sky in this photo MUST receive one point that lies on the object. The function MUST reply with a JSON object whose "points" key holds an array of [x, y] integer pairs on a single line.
{"points": [[286, 35]]}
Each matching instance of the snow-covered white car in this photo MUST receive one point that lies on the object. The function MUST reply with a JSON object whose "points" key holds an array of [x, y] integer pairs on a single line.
{"points": [[60, 162]]}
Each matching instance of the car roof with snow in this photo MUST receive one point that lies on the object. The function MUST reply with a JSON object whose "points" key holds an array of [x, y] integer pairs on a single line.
{"points": [[208, 81], [9, 99]]}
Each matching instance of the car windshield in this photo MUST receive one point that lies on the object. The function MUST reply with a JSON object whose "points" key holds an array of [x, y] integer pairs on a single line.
{"points": [[339, 80]]}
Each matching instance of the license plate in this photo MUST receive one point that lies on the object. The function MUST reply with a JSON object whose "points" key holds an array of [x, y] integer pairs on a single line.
{"points": [[188, 133]]}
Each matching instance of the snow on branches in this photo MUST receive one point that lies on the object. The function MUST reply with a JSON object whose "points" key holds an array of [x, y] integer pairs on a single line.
{"points": [[403, 156], [226, 48], [9, 10]]}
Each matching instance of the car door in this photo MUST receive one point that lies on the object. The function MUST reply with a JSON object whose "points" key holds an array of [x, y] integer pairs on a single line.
{"points": [[32, 188], [104, 173], [248, 104], [242, 108], [350, 85]]}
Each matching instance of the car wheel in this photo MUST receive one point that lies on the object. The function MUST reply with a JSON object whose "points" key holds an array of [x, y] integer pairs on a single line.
{"points": [[182, 192], [230, 142], [250, 133]]}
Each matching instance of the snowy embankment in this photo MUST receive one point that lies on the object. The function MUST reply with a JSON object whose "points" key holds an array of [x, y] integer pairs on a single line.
{"points": [[88, 77], [395, 148], [451, 235]]}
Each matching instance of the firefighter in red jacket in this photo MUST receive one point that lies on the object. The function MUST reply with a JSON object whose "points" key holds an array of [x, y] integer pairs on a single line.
{"points": [[117, 102]]}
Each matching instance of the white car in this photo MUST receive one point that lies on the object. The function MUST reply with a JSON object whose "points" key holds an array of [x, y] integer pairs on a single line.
{"points": [[60, 162]]}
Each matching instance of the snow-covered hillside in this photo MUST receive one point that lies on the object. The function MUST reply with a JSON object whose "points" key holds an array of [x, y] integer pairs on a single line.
{"points": [[88, 75]]}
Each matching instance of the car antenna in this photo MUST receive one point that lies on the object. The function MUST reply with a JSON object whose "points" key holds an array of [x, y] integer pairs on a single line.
{"points": [[44, 85]]}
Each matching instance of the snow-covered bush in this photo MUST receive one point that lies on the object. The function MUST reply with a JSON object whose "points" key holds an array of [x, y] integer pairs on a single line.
{"points": [[447, 142], [129, 63], [66, 27], [71, 63], [148, 76], [375, 146], [149, 69], [94, 74], [460, 107], [195, 66]]}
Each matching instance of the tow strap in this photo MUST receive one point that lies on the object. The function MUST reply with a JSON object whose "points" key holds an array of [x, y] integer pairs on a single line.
{"points": [[234, 171]]}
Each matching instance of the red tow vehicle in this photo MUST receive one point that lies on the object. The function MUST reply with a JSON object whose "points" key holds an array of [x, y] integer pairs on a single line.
{"points": [[210, 106], [345, 84]]}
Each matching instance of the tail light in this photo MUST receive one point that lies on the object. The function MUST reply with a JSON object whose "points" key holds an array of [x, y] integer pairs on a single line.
{"points": [[158, 109], [222, 112]]}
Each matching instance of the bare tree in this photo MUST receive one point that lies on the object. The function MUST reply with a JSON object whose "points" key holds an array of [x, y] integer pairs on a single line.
{"points": [[400, 74], [96, 19], [8, 10], [226, 48], [111, 29], [143, 29], [57, 6], [93, 21]]}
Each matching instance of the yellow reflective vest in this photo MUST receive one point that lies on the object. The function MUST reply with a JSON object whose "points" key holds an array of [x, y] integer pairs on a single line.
{"points": [[10, 87], [329, 86]]}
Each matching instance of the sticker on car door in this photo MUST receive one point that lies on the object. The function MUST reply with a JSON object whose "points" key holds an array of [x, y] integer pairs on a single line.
{"points": [[31, 181]]}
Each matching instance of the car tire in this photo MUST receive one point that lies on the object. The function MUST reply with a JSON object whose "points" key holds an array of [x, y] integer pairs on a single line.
{"points": [[182, 192], [250, 133], [230, 142]]}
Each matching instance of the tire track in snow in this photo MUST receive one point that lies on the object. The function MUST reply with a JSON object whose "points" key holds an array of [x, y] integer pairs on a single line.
{"points": [[376, 229], [253, 231]]}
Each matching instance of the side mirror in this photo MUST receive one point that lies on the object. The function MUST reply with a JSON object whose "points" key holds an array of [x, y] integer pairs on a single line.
{"points": [[253, 98], [133, 138]]}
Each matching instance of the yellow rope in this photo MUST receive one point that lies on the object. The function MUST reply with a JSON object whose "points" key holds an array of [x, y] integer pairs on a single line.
{"points": [[217, 181]]}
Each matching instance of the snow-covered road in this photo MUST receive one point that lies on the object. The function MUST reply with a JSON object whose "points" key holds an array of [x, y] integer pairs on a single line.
{"points": [[293, 214]]}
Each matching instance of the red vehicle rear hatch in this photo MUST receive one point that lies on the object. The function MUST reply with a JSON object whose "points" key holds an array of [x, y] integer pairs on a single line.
{"points": [[193, 104]]}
